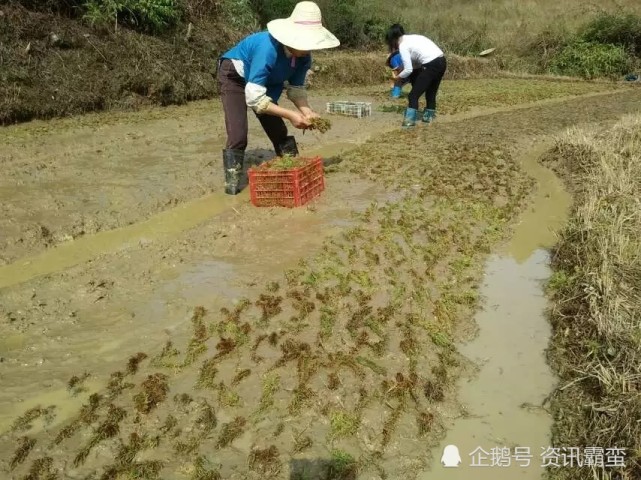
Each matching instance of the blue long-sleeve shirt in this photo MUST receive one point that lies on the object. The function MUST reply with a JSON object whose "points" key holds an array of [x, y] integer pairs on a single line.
{"points": [[264, 64]]}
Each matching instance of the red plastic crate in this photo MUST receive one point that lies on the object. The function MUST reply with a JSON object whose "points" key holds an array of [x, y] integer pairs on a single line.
{"points": [[286, 188]]}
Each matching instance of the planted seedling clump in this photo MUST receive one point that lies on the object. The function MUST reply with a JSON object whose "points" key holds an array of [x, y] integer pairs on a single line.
{"points": [[320, 124], [286, 162], [154, 392]]}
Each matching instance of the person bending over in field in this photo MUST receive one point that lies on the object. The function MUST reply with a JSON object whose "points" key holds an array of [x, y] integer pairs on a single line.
{"points": [[253, 74], [424, 65]]}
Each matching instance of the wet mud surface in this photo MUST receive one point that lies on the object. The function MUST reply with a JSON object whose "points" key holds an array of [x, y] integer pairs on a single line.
{"points": [[350, 354], [68, 178]]}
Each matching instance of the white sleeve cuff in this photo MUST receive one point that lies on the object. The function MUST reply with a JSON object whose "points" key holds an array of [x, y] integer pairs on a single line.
{"points": [[254, 94]]}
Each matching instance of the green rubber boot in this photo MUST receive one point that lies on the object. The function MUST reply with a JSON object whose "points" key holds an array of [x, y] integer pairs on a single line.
{"points": [[233, 164], [429, 115], [409, 120]]}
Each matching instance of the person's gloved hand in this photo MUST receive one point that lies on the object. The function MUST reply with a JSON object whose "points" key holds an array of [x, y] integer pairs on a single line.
{"points": [[396, 91]]}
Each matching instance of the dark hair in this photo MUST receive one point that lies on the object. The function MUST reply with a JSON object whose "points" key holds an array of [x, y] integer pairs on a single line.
{"points": [[394, 32]]}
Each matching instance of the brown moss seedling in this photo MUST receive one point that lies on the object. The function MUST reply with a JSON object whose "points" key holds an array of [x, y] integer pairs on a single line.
{"points": [[390, 425], [292, 350], [75, 383], [280, 428], [207, 375], [42, 469], [333, 382], [302, 398], [425, 422], [25, 445], [203, 472], [154, 392], [273, 339], [109, 428], [117, 385], [149, 470], [434, 391], [254, 357], [409, 346], [240, 376], [127, 451], [270, 306], [134, 362], [224, 347], [24, 422], [86, 416], [376, 368], [207, 420], [230, 432], [265, 461], [183, 399], [188, 447], [234, 317], [440, 371], [302, 443], [170, 423]]}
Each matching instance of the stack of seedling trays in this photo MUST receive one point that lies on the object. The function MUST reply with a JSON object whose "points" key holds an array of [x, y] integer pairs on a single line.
{"points": [[350, 109]]}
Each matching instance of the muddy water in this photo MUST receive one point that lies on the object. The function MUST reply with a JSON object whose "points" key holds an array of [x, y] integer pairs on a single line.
{"points": [[547, 213], [502, 403], [164, 224], [211, 276]]}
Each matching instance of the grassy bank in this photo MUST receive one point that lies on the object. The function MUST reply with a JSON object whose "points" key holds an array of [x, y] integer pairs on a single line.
{"points": [[596, 292]]}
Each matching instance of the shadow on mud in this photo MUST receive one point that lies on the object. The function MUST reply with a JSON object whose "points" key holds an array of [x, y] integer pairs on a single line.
{"points": [[337, 468]]}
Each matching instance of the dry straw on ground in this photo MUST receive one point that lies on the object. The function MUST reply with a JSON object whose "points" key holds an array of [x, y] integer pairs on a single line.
{"points": [[596, 288]]}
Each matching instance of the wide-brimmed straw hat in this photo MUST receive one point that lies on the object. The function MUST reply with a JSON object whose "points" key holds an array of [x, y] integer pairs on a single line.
{"points": [[303, 30]]}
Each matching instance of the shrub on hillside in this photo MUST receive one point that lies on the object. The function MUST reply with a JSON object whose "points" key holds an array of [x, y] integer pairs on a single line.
{"points": [[153, 16], [69, 8], [241, 16], [267, 10], [591, 60], [616, 29], [350, 20]]}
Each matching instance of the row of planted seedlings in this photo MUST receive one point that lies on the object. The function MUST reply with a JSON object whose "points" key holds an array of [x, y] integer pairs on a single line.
{"points": [[346, 365]]}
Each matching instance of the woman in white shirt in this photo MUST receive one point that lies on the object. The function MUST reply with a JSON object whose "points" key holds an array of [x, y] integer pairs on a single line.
{"points": [[424, 64]]}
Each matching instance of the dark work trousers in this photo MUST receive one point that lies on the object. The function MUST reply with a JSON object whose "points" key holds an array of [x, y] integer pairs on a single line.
{"points": [[426, 80], [232, 94]]}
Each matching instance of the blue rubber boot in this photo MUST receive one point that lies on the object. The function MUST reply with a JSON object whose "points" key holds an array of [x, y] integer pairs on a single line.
{"points": [[396, 92], [429, 115], [409, 119]]}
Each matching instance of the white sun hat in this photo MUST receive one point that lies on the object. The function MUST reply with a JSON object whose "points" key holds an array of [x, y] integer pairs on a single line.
{"points": [[303, 30]]}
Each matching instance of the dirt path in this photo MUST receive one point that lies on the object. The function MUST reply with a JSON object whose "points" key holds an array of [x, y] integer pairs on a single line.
{"points": [[137, 294]]}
